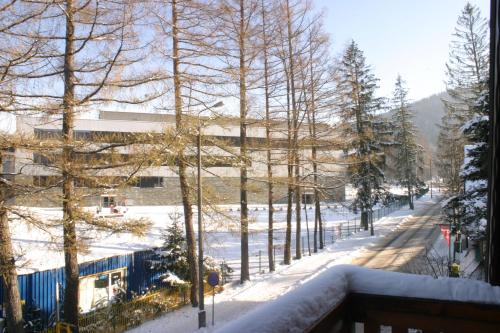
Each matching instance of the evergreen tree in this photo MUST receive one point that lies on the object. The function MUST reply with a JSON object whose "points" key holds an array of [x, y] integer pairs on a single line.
{"points": [[467, 72], [474, 173], [405, 138], [171, 258], [450, 153], [357, 106], [467, 67]]}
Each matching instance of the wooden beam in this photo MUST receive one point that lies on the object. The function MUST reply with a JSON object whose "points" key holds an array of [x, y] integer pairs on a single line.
{"points": [[402, 313], [426, 314], [493, 260]]}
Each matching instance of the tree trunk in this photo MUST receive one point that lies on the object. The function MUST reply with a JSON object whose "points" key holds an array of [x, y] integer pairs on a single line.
{"points": [[295, 125], [185, 192], [372, 231], [71, 291], [298, 235], [364, 219], [288, 235], [245, 272], [312, 131], [320, 224], [410, 196], [315, 233], [270, 208], [8, 272], [270, 231]]}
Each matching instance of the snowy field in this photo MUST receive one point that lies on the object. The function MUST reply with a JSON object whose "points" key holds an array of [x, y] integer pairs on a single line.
{"points": [[40, 250], [237, 300]]}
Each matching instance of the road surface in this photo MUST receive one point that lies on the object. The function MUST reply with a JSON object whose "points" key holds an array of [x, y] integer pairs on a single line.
{"points": [[406, 243]]}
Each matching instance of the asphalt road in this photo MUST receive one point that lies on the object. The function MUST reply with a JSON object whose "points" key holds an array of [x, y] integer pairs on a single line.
{"points": [[399, 248]]}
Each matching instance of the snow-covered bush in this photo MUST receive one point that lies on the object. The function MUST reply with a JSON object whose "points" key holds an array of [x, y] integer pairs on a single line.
{"points": [[173, 280], [170, 260]]}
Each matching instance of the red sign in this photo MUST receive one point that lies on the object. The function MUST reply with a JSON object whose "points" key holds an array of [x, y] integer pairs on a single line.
{"points": [[445, 230]]}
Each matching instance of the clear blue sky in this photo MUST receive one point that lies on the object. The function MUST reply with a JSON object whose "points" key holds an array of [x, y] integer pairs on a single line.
{"points": [[409, 37]]}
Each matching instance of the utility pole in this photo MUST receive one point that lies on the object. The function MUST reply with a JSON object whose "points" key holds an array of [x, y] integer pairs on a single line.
{"points": [[202, 316]]}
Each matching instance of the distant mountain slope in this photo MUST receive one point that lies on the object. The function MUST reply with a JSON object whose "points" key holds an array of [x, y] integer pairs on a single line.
{"points": [[428, 113]]}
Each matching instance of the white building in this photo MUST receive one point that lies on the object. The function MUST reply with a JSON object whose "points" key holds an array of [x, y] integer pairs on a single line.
{"points": [[158, 185]]}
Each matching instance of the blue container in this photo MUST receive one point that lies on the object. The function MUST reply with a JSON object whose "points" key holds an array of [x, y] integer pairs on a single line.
{"points": [[38, 289]]}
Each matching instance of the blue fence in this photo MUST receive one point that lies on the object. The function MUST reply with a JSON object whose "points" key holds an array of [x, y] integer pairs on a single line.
{"points": [[38, 289]]}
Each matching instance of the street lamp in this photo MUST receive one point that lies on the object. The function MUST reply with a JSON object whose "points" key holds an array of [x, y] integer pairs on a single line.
{"points": [[202, 316], [454, 212], [450, 211]]}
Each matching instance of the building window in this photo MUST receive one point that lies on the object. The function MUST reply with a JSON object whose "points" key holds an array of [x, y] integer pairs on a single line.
{"points": [[41, 159], [148, 182], [108, 201], [44, 181], [41, 133], [8, 164], [97, 291]]}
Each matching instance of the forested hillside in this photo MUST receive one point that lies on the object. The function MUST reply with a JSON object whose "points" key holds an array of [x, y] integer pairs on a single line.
{"points": [[428, 113]]}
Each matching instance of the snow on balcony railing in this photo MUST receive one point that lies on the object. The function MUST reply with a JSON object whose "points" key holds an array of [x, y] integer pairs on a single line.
{"points": [[306, 305]]}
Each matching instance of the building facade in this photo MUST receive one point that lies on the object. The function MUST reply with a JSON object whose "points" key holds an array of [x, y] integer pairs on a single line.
{"points": [[159, 184]]}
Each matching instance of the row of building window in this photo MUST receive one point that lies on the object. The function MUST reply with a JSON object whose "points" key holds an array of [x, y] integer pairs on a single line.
{"points": [[82, 158], [207, 161], [104, 136], [142, 182]]}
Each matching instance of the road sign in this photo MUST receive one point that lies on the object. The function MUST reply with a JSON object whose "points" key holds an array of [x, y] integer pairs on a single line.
{"points": [[213, 279]]}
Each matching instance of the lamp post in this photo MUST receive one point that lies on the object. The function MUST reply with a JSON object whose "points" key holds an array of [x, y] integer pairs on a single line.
{"points": [[454, 212], [451, 211], [202, 316]]}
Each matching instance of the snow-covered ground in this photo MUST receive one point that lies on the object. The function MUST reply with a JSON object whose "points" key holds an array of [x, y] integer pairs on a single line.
{"points": [[39, 250], [237, 300]]}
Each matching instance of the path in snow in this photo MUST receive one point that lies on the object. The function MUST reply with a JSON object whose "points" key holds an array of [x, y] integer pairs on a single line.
{"points": [[405, 244], [237, 300]]}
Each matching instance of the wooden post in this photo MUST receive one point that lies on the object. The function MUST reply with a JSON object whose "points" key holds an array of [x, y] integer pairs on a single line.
{"points": [[493, 260]]}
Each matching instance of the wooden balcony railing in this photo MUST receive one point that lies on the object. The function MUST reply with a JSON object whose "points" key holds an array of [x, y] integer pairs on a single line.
{"points": [[353, 299], [393, 314]]}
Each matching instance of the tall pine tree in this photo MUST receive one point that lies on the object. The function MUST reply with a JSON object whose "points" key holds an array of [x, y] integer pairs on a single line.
{"points": [[357, 105], [405, 137], [467, 71]]}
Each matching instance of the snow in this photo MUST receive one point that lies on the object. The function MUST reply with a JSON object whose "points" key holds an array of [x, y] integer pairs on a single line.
{"points": [[446, 201], [297, 310], [475, 203], [237, 300], [7, 123], [39, 250], [301, 308], [472, 123], [308, 286], [476, 185], [172, 279]]}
